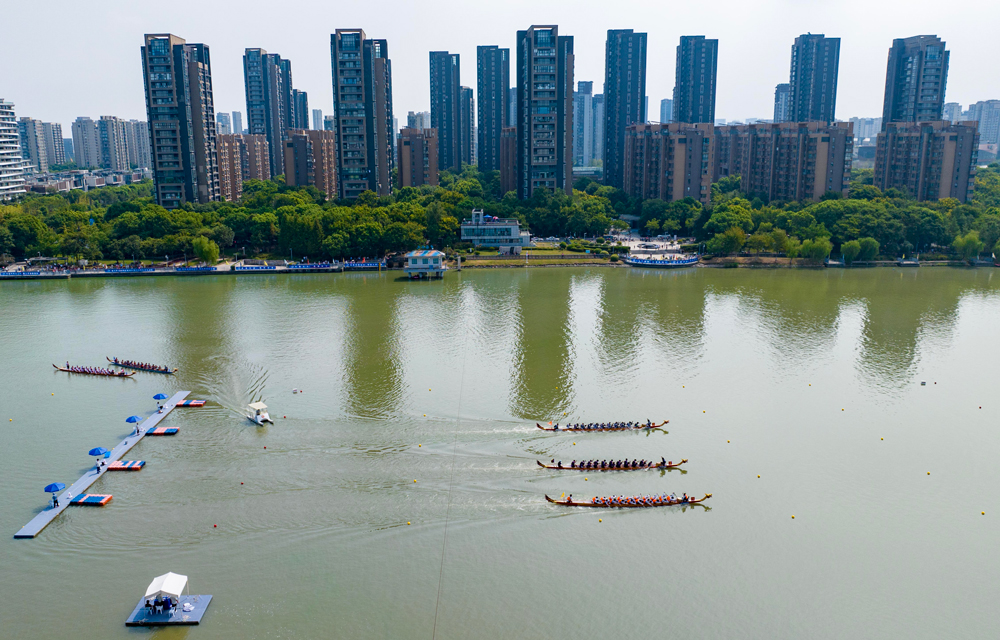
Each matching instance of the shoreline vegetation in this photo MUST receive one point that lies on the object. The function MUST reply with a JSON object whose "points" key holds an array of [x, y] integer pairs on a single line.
{"points": [[275, 221]]}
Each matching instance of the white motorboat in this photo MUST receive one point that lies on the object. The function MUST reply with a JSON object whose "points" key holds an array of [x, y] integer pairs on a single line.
{"points": [[257, 414]]}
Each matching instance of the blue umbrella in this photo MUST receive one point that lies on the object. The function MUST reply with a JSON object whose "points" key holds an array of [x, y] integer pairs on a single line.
{"points": [[133, 419], [54, 487], [159, 396], [97, 451]]}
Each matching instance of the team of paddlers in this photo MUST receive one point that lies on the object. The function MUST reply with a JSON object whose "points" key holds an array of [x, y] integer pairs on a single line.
{"points": [[613, 464], [141, 365], [597, 426], [648, 501], [97, 371]]}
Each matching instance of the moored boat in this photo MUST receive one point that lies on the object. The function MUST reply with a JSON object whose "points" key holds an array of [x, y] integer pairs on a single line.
{"points": [[605, 427], [662, 264], [130, 365], [630, 467], [107, 373], [632, 502]]}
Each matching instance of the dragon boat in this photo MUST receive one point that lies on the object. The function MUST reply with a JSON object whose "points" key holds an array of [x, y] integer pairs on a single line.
{"points": [[639, 504], [634, 427], [630, 467], [109, 374], [165, 370]]}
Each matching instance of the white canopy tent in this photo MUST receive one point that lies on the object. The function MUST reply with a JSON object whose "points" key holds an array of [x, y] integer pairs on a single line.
{"points": [[169, 584], [258, 406]]}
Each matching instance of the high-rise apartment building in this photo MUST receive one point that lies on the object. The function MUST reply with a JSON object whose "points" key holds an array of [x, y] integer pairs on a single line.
{"points": [[813, 78], [317, 119], [791, 161], [11, 163], [55, 149], [598, 103], [311, 159], [33, 150], [238, 122], [241, 158], [544, 110], [624, 97], [866, 127], [583, 124], [493, 88], [137, 143], [782, 93], [418, 157], [270, 100], [952, 112], [223, 125], [86, 145], [329, 123], [181, 116], [508, 160], [666, 110], [418, 120], [694, 82], [987, 114], [668, 161], [68, 147], [929, 160], [915, 80], [300, 109], [467, 124], [362, 103], [446, 108], [111, 137]]}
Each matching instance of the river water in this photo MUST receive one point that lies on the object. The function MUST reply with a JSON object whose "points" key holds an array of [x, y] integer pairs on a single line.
{"points": [[314, 527]]}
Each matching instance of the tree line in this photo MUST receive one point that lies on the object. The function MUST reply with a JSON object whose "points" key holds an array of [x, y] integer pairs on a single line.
{"points": [[271, 218]]}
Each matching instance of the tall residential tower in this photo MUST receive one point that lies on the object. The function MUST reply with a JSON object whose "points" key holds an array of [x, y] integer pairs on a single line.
{"points": [[624, 97], [813, 78], [181, 115], [493, 69], [694, 81], [446, 110], [544, 116], [362, 106]]}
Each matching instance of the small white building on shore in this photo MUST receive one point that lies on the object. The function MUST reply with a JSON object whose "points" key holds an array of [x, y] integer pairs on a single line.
{"points": [[427, 263], [489, 231]]}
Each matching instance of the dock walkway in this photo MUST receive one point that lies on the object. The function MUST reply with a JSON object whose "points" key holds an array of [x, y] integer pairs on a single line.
{"points": [[80, 487]]}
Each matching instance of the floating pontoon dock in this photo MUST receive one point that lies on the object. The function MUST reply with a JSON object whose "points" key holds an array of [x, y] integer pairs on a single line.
{"points": [[80, 487]]}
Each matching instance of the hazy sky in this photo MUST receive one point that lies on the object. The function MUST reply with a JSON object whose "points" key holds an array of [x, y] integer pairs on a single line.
{"points": [[66, 59]]}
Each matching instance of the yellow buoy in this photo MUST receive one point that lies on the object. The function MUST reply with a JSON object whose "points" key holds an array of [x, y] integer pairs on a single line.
{"points": [[420, 445], [428, 389], [881, 438], [758, 475], [407, 523], [682, 386], [983, 512], [414, 481], [703, 411], [841, 409], [599, 520], [584, 479], [727, 440], [793, 517], [928, 473], [574, 444], [53, 394], [810, 384], [425, 415]]}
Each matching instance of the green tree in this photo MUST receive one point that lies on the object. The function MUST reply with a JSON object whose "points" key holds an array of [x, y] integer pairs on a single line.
{"points": [[850, 251], [759, 242], [869, 249], [728, 242], [968, 245], [206, 250], [816, 250], [652, 227]]}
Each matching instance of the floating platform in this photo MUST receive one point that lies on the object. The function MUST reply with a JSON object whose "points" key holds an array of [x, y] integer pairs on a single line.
{"points": [[163, 431], [92, 499], [49, 513], [191, 403], [127, 465], [141, 617]]}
